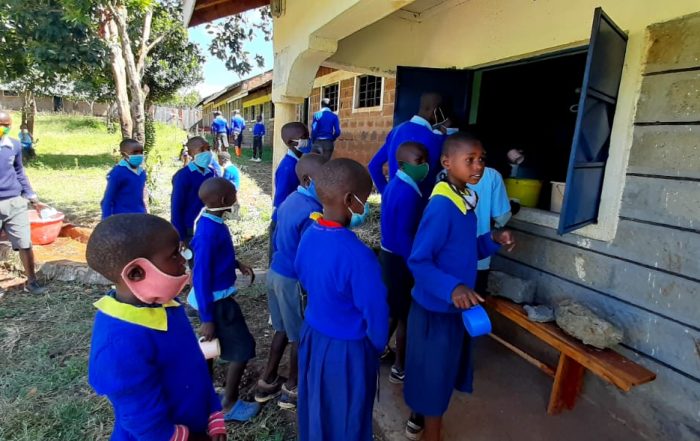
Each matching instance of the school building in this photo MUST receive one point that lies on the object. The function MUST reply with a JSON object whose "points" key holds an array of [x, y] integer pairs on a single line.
{"points": [[253, 97], [607, 100], [13, 100]]}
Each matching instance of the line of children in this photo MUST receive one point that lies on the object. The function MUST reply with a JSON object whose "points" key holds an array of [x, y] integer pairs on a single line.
{"points": [[144, 354], [185, 204], [347, 319], [229, 170], [126, 182], [284, 290], [214, 288], [444, 263], [258, 133], [402, 207]]}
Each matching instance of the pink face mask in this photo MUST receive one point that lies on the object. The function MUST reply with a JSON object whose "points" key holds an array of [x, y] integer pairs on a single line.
{"points": [[156, 286]]}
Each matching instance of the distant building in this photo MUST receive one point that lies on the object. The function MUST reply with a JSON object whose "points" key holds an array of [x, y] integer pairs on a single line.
{"points": [[13, 100]]}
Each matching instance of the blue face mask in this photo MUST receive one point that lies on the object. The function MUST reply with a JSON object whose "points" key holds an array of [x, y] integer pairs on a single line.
{"points": [[358, 219], [135, 160], [312, 190], [203, 159]]}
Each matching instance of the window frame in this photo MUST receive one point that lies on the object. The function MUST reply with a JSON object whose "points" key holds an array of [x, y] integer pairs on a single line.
{"points": [[356, 95], [337, 96]]}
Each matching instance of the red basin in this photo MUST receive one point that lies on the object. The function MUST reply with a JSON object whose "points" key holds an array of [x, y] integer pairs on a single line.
{"points": [[45, 231]]}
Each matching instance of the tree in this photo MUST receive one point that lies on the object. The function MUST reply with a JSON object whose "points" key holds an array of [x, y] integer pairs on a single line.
{"points": [[35, 54], [183, 99], [232, 33]]}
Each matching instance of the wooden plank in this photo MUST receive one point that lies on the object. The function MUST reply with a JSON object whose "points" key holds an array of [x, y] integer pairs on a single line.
{"points": [[666, 151], [571, 257], [672, 97], [666, 201], [674, 44], [606, 364], [669, 343], [567, 386], [544, 367]]}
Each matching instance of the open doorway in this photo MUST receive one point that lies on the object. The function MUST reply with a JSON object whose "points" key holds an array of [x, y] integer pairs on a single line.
{"points": [[530, 106]]}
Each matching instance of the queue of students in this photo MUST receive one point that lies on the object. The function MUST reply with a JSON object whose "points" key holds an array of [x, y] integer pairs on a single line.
{"points": [[331, 299]]}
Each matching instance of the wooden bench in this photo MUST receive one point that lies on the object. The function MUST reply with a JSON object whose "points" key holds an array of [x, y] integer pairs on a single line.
{"points": [[574, 358]]}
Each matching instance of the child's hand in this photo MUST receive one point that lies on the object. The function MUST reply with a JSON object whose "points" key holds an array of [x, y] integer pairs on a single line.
{"points": [[247, 271], [207, 331], [465, 298], [505, 238]]}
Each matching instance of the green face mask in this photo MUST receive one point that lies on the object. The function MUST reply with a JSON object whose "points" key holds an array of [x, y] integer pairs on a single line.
{"points": [[415, 172], [4, 131]]}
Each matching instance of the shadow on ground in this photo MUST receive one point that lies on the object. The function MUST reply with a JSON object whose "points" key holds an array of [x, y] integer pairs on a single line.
{"points": [[62, 162]]}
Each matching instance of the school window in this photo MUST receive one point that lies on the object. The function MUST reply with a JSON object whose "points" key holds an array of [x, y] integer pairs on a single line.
{"points": [[261, 110], [10, 93], [272, 110], [252, 112], [368, 91], [555, 111], [331, 92]]}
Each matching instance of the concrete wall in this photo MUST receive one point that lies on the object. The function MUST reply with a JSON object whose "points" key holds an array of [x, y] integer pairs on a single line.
{"points": [[647, 279], [45, 104], [363, 130]]}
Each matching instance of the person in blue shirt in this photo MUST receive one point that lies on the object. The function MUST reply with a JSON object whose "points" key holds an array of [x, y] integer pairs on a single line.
{"points": [[402, 207], [229, 171], [185, 204], [213, 291], [295, 136], [258, 133], [219, 130], [126, 182], [283, 289], [237, 128], [346, 321], [419, 129], [144, 356], [493, 210], [27, 142], [325, 129], [443, 261]]}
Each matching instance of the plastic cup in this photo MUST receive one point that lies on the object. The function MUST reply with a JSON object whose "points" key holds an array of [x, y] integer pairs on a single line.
{"points": [[477, 321], [210, 349]]}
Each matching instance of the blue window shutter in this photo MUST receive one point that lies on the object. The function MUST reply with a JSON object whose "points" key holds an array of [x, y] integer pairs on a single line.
{"points": [[596, 109], [411, 82]]}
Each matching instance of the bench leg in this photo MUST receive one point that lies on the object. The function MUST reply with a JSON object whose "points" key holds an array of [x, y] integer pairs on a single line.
{"points": [[567, 385]]}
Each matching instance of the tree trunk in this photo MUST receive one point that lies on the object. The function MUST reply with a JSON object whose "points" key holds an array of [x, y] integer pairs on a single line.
{"points": [[28, 110], [119, 74], [138, 114]]}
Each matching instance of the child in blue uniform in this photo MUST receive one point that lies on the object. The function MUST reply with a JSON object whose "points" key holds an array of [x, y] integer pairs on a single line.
{"points": [[402, 207], [229, 171], [144, 356], [258, 133], [443, 262], [295, 136], [214, 288], [346, 321], [283, 290], [126, 182], [185, 204]]}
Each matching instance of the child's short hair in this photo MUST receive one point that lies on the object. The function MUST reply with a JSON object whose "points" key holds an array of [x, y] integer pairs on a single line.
{"points": [[224, 157], [309, 163], [127, 143], [211, 190], [121, 238], [293, 129], [407, 147], [341, 176], [455, 141]]}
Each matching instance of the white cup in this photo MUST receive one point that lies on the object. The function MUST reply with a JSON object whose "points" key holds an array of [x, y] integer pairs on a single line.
{"points": [[210, 349]]}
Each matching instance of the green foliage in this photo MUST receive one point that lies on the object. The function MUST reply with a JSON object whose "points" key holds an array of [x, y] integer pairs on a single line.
{"points": [[150, 134], [183, 99]]}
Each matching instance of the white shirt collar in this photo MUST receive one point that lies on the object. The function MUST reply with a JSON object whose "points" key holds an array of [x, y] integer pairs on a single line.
{"points": [[5, 141], [421, 122]]}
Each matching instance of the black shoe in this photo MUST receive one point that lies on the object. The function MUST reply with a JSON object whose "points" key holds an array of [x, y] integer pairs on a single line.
{"points": [[288, 400], [397, 375], [265, 392], [33, 287], [414, 427]]}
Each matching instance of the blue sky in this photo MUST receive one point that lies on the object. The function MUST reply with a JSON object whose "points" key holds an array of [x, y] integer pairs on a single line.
{"points": [[216, 76]]}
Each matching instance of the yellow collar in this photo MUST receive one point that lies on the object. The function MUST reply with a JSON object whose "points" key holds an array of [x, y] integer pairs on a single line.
{"points": [[464, 202], [150, 317]]}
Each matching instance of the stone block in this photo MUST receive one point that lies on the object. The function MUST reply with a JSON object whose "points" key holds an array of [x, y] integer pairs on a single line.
{"points": [[511, 287], [539, 313], [66, 271], [583, 324]]}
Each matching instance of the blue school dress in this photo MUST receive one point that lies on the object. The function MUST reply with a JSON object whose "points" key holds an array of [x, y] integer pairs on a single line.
{"points": [[345, 329]]}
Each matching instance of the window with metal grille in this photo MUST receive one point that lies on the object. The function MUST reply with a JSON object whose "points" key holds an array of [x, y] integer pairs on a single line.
{"points": [[369, 91], [331, 92]]}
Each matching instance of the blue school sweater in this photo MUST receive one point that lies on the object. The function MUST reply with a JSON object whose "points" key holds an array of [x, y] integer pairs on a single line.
{"points": [[347, 298], [215, 264], [446, 250], [416, 129], [219, 125], [125, 190], [185, 204], [292, 221], [232, 174], [325, 125], [286, 180], [402, 207], [259, 129], [147, 361]]}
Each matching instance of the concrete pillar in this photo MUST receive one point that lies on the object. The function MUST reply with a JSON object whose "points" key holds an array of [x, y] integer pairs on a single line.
{"points": [[285, 112]]}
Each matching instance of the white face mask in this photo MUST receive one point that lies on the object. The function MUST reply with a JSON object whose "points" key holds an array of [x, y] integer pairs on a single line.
{"points": [[229, 212]]}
